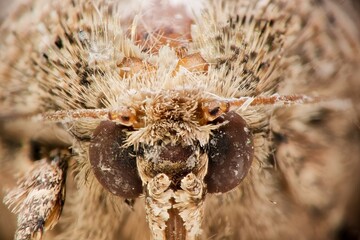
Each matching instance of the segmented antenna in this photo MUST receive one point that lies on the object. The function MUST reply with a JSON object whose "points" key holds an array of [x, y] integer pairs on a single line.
{"points": [[279, 100], [234, 104]]}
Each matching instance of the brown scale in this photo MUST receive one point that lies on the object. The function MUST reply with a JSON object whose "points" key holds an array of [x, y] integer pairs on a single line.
{"points": [[193, 63], [130, 66]]}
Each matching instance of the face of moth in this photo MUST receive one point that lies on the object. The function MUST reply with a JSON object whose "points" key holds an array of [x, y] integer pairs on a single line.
{"points": [[174, 148], [173, 141]]}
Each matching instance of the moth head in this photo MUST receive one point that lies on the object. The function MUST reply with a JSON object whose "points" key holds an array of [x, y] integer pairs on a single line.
{"points": [[174, 147], [171, 134]]}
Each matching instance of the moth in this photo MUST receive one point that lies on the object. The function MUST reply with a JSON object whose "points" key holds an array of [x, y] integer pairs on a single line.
{"points": [[173, 120]]}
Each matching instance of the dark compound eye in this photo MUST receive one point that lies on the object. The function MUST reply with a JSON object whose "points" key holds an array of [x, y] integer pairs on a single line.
{"points": [[113, 165], [230, 154]]}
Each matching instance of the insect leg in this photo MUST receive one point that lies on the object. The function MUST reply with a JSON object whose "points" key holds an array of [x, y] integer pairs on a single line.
{"points": [[40, 195]]}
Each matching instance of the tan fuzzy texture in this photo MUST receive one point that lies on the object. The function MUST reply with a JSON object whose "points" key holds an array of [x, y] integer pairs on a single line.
{"points": [[67, 55]]}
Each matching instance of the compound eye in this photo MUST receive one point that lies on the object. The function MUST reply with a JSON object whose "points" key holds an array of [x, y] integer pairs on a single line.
{"points": [[114, 166], [230, 154]]}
